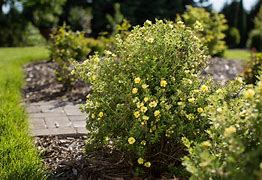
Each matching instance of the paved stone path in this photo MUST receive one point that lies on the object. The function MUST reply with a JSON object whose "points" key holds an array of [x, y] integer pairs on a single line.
{"points": [[56, 118]]}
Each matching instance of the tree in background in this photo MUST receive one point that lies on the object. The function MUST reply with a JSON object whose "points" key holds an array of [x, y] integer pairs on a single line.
{"points": [[255, 36], [44, 14], [236, 17], [78, 15], [213, 24], [137, 11], [15, 29]]}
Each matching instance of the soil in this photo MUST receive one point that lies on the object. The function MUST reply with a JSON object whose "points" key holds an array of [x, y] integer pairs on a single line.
{"points": [[42, 85], [64, 157]]}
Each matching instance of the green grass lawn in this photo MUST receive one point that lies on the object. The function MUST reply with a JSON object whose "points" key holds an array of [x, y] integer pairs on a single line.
{"points": [[18, 156], [239, 54]]}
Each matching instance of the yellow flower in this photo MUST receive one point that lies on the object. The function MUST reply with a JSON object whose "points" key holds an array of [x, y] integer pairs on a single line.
{"points": [[134, 90], [153, 104], [179, 103], [219, 110], [204, 88], [101, 114], [139, 105], [200, 110], [137, 114], [191, 100], [249, 93], [149, 39], [229, 131], [143, 142], [156, 113], [146, 99], [131, 140], [219, 91], [137, 80], [239, 79], [145, 118], [93, 116], [206, 144], [144, 86], [140, 161], [143, 109], [147, 164], [163, 83], [260, 87]]}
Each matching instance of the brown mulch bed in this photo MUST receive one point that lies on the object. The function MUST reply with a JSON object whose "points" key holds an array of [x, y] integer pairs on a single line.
{"points": [[64, 157], [41, 85]]}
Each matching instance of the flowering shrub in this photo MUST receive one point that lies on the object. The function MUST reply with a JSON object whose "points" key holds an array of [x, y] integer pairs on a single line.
{"points": [[253, 67], [66, 47], [147, 95], [233, 149], [213, 24]]}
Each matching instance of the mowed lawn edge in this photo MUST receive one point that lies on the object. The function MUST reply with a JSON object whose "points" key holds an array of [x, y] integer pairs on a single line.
{"points": [[18, 156]]}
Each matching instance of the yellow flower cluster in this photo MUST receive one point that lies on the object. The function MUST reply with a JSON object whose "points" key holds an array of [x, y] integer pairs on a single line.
{"points": [[248, 94], [204, 88], [134, 90], [229, 131], [191, 100], [200, 110], [137, 80], [153, 104], [141, 161], [137, 114], [163, 83], [144, 86], [101, 114], [157, 113], [131, 140]]}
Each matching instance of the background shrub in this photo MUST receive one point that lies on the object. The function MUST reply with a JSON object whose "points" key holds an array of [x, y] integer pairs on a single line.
{"points": [[233, 37], [233, 149], [147, 95], [255, 36], [252, 68], [214, 26], [68, 46]]}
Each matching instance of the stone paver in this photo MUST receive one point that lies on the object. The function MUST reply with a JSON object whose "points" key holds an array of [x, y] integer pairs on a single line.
{"points": [[56, 118]]}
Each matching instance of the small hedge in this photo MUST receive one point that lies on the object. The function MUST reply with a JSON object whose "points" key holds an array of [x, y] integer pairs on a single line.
{"points": [[68, 46], [214, 27], [252, 69], [233, 149], [147, 95]]}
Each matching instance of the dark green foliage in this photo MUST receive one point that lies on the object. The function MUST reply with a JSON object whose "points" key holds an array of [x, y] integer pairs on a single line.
{"points": [[136, 11], [233, 37], [213, 28], [44, 14], [255, 36], [237, 17], [252, 69], [67, 46]]}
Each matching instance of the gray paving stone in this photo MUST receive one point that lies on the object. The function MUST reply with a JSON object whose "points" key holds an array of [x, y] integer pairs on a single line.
{"points": [[77, 118], [37, 123], [49, 108], [79, 124], [56, 118], [40, 132], [47, 114], [58, 122], [34, 109], [81, 130], [62, 131]]}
